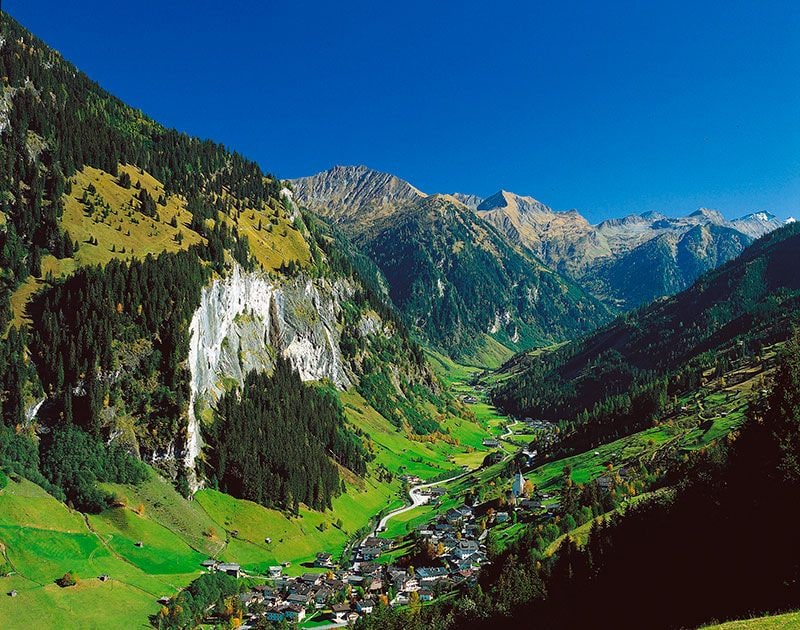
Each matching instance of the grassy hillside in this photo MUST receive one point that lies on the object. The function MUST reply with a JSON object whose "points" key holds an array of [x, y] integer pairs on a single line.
{"points": [[42, 539], [787, 621]]}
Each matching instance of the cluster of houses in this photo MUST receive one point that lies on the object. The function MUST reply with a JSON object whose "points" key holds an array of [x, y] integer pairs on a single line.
{"points": [[341, 595]]}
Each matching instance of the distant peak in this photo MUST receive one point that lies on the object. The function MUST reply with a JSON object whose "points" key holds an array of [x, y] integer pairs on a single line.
{"points": [[764, 217], [506, 199], [707, 213], [471, 201]]}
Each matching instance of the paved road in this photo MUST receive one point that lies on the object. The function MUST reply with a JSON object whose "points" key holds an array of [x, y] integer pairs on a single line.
{"points": [[417, 498]]}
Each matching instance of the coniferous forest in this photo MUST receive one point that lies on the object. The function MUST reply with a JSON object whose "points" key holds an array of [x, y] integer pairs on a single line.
{"points": [[276, 441]]}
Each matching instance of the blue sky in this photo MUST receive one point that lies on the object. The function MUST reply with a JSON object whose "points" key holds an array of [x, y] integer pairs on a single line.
{"points": [[607, 107]]}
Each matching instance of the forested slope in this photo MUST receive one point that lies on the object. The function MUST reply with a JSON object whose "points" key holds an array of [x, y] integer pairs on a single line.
{"points": [[616, 380]]}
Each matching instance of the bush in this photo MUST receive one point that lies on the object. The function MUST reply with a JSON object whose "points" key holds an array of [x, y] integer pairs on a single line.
{"points": [[66, 580]]}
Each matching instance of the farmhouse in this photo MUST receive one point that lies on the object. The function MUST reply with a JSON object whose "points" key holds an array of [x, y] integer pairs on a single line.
{"points": [[340, 612], [230, 569], [324, 560]]}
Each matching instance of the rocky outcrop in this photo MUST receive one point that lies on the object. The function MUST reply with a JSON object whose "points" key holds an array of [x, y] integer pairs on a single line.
{"points": [[246, 319], [348, 193]]}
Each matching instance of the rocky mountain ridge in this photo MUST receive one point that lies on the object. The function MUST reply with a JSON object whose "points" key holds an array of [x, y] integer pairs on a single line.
{"points": [[457, 280], [624, 261]]}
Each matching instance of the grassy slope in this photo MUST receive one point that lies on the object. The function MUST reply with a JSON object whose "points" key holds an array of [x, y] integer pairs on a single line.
{"points": [[117, 224], [43, 538], [54, 540], [786, 621]]}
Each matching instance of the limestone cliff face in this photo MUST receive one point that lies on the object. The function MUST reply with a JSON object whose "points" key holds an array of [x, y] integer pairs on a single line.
{"points": [[245, 319]]}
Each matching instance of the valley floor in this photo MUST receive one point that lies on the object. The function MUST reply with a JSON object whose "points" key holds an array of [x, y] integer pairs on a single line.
{"points": [[153, 542]]}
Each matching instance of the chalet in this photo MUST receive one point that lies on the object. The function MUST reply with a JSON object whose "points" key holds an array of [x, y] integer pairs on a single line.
{"points": [[210, 564], [340, 612], [374, 541], [410, 584], [276, 613], [530, 504], [12, 593], [272, 597], [491, 443], [103, 578], [335, 583], [275, 571], [250, 597], [322, 596], [465, 548], [294, 613], [139, 544], [324, 560], [466, 511], [230, 568], [365, 606], [369, 569], [370, 553], [437, 492], [470, 400], [431, 574], [299, 599]]}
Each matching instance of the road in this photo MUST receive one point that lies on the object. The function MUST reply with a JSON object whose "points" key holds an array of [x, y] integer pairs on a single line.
{"points": [[417, 498]]}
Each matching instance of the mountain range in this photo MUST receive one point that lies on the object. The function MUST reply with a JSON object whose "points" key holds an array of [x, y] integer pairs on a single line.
{"points": [[623, 262], [457, 280]]}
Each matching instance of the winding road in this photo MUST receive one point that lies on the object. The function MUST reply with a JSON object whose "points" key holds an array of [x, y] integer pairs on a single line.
{"points": [[416, 496]]}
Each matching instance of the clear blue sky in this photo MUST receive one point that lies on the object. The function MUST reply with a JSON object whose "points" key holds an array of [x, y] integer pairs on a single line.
{"points": [[607, 107]]}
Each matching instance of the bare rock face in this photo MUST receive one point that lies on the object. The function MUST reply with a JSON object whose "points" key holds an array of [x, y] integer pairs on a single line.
{"points": [[757, 224], [245, 320], [349, 193], [565, 241]]}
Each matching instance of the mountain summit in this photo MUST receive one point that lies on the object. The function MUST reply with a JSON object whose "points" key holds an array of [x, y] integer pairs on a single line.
{"points": [[349, 193]]}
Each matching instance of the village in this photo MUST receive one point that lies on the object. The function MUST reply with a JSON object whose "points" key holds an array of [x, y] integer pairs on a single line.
{"points": [[455, 551]]}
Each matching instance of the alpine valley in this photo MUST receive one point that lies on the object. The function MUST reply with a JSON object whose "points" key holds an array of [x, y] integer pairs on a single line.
{"points": [[230, 400]]}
